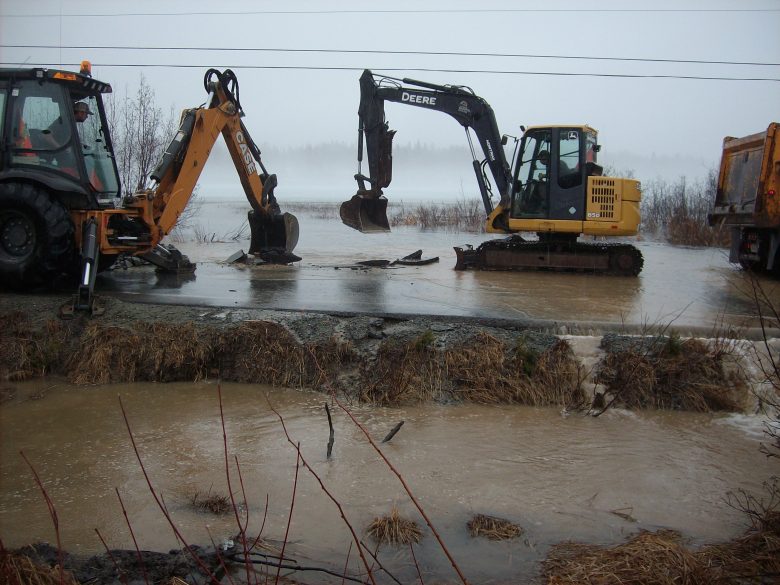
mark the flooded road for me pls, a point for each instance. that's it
(559, 477)
(692, 287)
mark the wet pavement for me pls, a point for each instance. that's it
(692, 288)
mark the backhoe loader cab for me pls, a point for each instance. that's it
(56, 156)
(55, 134)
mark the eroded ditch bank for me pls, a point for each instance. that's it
(398, 361)
(385, 361)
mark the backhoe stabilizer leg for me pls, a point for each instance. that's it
(85, 299)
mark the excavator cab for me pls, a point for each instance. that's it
(550, 176)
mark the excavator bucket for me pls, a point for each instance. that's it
(365, 214)
(275, 235)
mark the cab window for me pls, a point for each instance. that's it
(569, 174)
(531, 192)
(41, 126)
(98, 157)
(3, 99)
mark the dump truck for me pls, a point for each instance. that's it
(747, 201)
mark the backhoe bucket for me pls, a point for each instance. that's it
(278, 232)
(365, 214)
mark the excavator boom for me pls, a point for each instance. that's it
(366, 210)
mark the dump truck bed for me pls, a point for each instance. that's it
(748, 181)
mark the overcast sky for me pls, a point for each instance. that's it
(294, 98)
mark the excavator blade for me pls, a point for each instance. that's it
(276, 233)
(365, 214)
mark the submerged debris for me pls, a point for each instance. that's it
(493, 528)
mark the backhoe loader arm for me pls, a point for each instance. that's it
(185, 157)
(468, 109)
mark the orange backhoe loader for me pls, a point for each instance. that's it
(59, 182)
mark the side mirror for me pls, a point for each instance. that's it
(504, 140)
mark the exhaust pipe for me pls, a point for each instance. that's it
(365, 214)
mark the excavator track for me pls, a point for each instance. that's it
(516, 253)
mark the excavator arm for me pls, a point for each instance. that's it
(367, 210)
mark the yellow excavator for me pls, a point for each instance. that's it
(554, 187)
(59, 181)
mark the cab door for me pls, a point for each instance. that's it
(567, 181)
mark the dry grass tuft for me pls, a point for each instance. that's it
(261, 352)
(393, 529)
(671, 373)
(482, 369)
(527, 374)
(19, 569)
(493, 528)
(216, 504)
(27, 352)
(659, 558)
(156, 352)
(253, 351)
(402, 373)
(650, 558)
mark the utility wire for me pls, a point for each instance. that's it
(401, 11)
(387, 52)
(417, 69)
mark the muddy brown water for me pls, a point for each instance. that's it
(560, 476)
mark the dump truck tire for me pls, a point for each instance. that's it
(36, 236)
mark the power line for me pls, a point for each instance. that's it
(400, 11)
(390, 52)
(416, 69)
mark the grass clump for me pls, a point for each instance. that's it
(479, 368)
(650, 558)
(27, 351)
(661, 558)
(394, 529)
(669, 373)
(154, 352)
(19, 569)
(493, 528)
(217, 504)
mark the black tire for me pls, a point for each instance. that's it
(36, 236)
